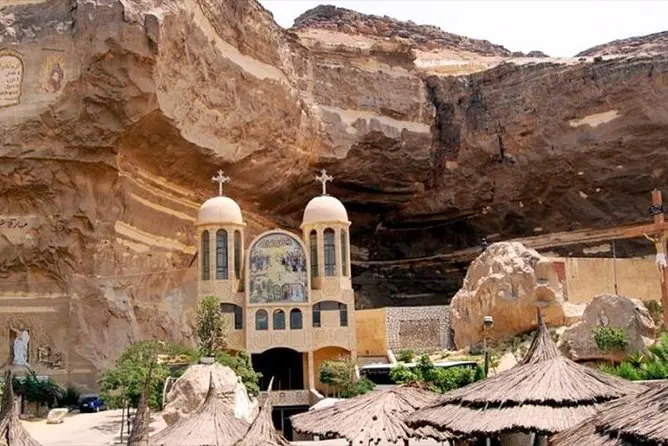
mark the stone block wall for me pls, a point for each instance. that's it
(418, 328)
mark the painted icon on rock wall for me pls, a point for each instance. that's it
(52, 76)
(277, 270)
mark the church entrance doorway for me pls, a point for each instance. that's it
(285, 365)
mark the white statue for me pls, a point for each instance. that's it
(21, 348)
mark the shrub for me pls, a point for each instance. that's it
(402, 375)
(340, 374)
(69, 398)
(35, 390)
(242, 366)
(655, 310)
(437, 379)
(406, 356)
(610, 339)
(627, 371)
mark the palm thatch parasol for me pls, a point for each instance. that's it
(12, 432)
(262, 431)
(633, 420)
(139, 434)
(212, 424)
(374, 418)
(544, 394)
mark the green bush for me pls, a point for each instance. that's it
(340, 375)
(211, 326)
(124, 383)
(242, 366)
(405, 356)
(627, 371)
(436, 378)
(40, 392)
(610, 339)
(643, 367)
(69, 398)
(655, 310)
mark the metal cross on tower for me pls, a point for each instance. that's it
(324, 178)
(221, 179)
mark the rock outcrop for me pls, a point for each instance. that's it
(656, 43)
(507, 282)
(189, 391)
(116, 113)
(630, 315)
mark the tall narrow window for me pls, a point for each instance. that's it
(221, 254)
(295, 319)
(343, 315)
(344, 253)
(205, 255)
(261, 320)
(330, 253)
(237, 313)
(316, 315)
(313, 240)
(279, 320)
(237, 254)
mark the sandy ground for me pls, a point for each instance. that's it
(103, 429)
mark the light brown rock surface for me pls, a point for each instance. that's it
(56, 416)
(507, 282)
(126, 108)
(189, 391)
(613, 311)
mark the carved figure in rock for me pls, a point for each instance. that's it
(43, 354)
(21, 348)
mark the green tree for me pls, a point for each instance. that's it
(38, 391)
(243, 367)
(340, 375)
(435, 378)
(211, 326)
(123, 383)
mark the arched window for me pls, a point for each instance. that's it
(343, 315)
(313, 240)
(279, 320)
(237, 254)
(205, 255)
(330, 253)
(316, 315)
(295, 319)
(221, 254)
(238, 314)
(344, 253)
(261, 320)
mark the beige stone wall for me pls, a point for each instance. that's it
(589, 277)
(371, 332)
(418, 328)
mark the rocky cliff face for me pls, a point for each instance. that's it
(125, 109)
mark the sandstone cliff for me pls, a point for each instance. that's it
(125, 108)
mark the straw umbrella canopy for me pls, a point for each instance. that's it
(12, 432)
(544, 394)
(633, 420)
(212, 424)
(374, 418)
(262, 431)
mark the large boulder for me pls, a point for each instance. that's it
(188, 392)
(56, 416)
(507, 281)
(612, 311)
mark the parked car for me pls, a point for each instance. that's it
(91, 404)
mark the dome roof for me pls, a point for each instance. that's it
(218, 211)
(325, 209)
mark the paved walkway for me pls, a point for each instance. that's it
(103, 429)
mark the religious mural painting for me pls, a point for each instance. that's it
(52, 74)
(11, 79)
(277, 270)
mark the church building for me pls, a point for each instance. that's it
(289, 298)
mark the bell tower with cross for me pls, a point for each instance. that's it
(220, 253)
(323, 178)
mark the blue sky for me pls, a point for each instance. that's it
(558, 28)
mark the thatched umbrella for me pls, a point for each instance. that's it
(633, 420)
(140, 425)
(377, 417)
(544, 394)
(212, 424)
(12, 432)
(262, 431)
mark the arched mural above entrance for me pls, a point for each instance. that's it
(277, 269)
